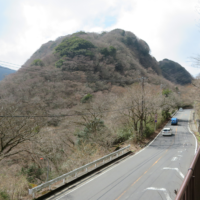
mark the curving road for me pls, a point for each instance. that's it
(153, 173)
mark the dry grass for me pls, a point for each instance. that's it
(15, 185)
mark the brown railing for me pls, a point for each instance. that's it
(190, 189)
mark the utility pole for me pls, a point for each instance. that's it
(142, 114)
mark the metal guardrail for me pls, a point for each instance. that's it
(190, 188)
(65, 178)
(174, 113)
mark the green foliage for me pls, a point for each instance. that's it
(32, 173)
(112, 51)
(90, 128)
(119, 67)
(80, 33)
(86, 98)
(90, 54)
(149, 130)
(74, 46)
(166, 92)
(104, 51)
(36, 129)
(37, 62)
(108, 52)
(165, 114)
(59, 63)
(103, 32)
(4, 195)
(124, 134)
(127, 40)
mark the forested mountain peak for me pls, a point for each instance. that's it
(174, 72)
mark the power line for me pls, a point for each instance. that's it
(9, 66)
(10, 63)
(70, 115)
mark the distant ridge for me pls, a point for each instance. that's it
(5, 71)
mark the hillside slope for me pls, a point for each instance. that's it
(5, 71)
(174, 72)
(62, 72)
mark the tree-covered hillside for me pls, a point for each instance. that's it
(115, 56)
(4, 72)
(174, 72)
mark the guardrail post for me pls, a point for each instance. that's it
(33, 195)
(63, 181)
(50, 187)
(110, 158)
(103, 161)
(86, 169)
(95, 165)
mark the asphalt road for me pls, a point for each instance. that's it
(154, 173)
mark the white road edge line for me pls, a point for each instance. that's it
(176, 169)
(193, 136)
(161, 189)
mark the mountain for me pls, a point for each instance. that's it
(61, 72)
(174, 72)
(115, 55)
(5, 71)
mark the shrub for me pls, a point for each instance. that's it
(32, 173)
(111, 52)
(4, 195)
(124, 134)
(59, 63)
(165, 114)
(166, 92)
(90, 54)
(37, 62)
(74, 46)
(148, 131)
(95, 132)
(119, 67)
(53, 122)
(86, 98)
(104, 51)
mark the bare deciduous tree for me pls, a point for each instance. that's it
(14, 129)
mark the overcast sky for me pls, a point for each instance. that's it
(170, 27)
